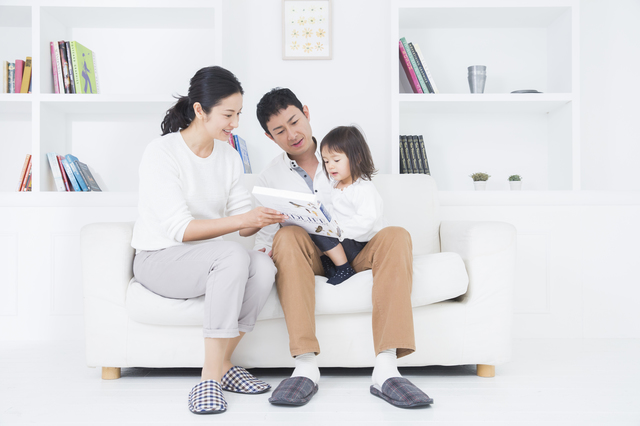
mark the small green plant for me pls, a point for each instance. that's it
(480, 177)
(515, 178)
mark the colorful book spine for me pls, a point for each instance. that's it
(88, 177)
(414, 64)
(408, 69)
(426, 69)
(5, 77)
(72, 80)
(65, 178)
(73, 163)
(18, 75)
(24, 173)
(11, 79)
(83, 68)
(95, 71)
(26, 76)
(421, 70)
(27, 186)
(65, 67)
(244, 153)
(54, 69)
(55, 170)
(70, 175)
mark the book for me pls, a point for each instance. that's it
(426, 69)
(411, 166)
(241, 146)
(303, 210)
(73, 163)
(232, 141)
(24, 173)
(413, 154)
(11, 78)
(88, 177)
(19, 69)
(5, 77)
(95, 71)
(65, 67)
(83, 68)
(70, 175)
(57, 68)
(65, 178)
(423, 151)
(26, 76)
(28, 183)
(72, 80)
(404, 168)
(423, 73)
(408, 69)
(414, 64)
(55, 170)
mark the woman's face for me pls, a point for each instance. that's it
(224, 117)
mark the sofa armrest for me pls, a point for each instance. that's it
(107, 260)
(488, 250)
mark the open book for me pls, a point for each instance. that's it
(303, 210)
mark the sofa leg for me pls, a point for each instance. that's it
(484, 370)
(110, 373)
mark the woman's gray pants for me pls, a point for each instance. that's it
(235, 282)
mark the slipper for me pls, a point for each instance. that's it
(294, 391)
(239, 380)
(207, 398)
(402, 393)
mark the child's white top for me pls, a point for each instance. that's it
(358, 208)
(177, 186)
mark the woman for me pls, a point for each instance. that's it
(190, 195)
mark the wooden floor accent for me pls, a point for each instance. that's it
(484, 370)
(110, 373)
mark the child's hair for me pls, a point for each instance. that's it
(273, 102)
(351, 142)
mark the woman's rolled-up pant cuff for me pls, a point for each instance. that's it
(221, 334)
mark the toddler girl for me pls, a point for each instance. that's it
(356, 204)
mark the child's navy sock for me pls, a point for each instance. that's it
(328, 266)
(342, 273)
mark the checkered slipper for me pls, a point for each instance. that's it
(207, 398)
(239, 380)
(402, 393)
(294, 391)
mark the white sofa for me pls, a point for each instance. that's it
(462, 298)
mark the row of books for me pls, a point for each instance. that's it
(16, 76)
(74, 68)
(69, 174)
(413, 155)
(415, 68)
(24, 183)
(241, 146)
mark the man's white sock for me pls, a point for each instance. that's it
(386, 367)
(307, 366)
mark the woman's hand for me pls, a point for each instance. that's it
(262, 216)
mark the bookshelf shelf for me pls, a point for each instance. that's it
(525, 45)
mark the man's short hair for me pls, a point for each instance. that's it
(273, 102)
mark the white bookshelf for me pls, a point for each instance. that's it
(525, 45)
(146, 51)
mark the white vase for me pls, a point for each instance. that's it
(516, 185)
(480, 185)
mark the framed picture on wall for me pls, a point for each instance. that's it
(306, 29)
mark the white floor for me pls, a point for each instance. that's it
(561, 382)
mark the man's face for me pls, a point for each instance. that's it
(291, 130)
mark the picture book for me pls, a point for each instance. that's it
(73, 163)
(56, 66)
(11, 78)
(88, 177)
(72, 177)
(26, 76)
(65, 66)
(301, 209)
(83, 68)
(72, 84)
(241, 146)
(19, 69)
(24, 173)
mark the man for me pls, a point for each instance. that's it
(287, 122)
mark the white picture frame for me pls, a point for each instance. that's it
(306, 29)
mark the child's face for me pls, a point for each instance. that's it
(337, 164)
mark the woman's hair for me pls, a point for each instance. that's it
(209, 86)
(273, 102)
(351, 142)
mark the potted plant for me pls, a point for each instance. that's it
(480, 181)
(515, 182)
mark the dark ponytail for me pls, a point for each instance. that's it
(209, 86)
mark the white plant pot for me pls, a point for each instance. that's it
(480, 185)
(516, 185)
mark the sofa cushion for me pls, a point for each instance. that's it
(436, 277)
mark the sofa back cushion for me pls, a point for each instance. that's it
(410, 201)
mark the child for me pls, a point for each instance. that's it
(356, 204)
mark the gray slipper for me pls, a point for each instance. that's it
(402, 393)
(294, 391)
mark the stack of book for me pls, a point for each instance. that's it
(16, 76)
(413, 155)
(69, 174)
(241, 146)
(24, 184)
(74, 68)
(415, 68)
